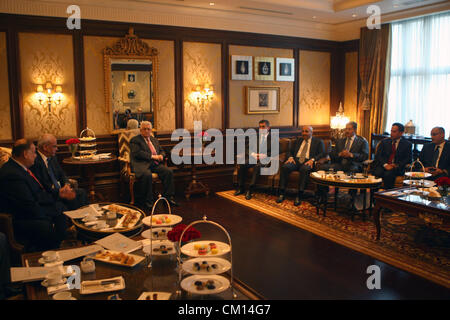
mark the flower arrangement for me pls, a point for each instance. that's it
(190, 234)
(203, 135)
(443, 183)
(73, 145)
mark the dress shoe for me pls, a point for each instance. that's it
(173, 202)
(297, 201)
(248, 195)
(238, 192)
(280, 198)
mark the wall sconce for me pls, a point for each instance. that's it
(338, 123)
(203, 94)
(50, 95)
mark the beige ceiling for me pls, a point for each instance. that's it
(323, 11)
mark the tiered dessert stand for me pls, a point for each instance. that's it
(88, 144)
(174, 219)
(194, 265)
(417, 178)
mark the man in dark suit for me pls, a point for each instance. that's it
(303, 154)
(350, 152)
(48, 171)
(435, 156)
(37, 218)
(257, 153)
(392, 155)
(146, 157)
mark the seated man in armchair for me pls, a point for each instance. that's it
(350, 152)
(146, 157)
(48, 171)
(37, 217)
(392, 155)
(435, 156)
(303, 154)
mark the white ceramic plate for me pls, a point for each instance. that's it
(158, 244)
(160, 295)
(220, 283)
(174, 219)
(137, 259)
(222, 266)
(147, 233)
(189, 248)
(418, 174)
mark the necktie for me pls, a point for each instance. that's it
(435, 156)
(347, 144)
(152, 148)
(392, 156)
(303, 153)
(52, 175)
(31, 174)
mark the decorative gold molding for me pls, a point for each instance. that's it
(130, 47)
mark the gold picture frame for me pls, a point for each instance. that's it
(264, 68)
(262, 99)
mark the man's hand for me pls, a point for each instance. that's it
(309, 163)
(389, 167)
(290, 160)
(345, 154)
(437, 171)
(157, 157)
(67, 193)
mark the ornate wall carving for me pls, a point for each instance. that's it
(47, 57)
(5, 110)
(314, 87)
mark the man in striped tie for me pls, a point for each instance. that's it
(37, 217)
(147, 157)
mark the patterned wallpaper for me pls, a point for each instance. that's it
(5, 119)
(238, 117)
(202, 65)
(351, 85)
(97, 117)
(314, 88)
(47, 57)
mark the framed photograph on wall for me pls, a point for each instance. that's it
(264, 68)
(241, 68)
(130, 77)
(285, 69)
(261, 100)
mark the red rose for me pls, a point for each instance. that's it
(443, 181)
(175, 234)
(202, 134)
(72, 141)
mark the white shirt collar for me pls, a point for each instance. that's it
(44, 158)
(24, 168)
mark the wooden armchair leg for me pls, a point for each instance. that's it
(132, 191)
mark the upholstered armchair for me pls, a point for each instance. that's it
(127, 176)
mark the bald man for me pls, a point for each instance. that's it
(301, 157)
(47, 169)
(435, 156)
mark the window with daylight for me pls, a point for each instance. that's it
(419, 88)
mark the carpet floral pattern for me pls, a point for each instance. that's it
(406, 241)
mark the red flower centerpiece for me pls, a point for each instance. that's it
(190, 234)
(73, 145)
(443, 183)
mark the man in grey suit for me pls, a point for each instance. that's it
(301, 157)
(147, 157)
(350, 152)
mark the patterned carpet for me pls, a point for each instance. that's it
(406, 241)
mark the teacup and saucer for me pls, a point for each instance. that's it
(53, 279)
(49, 257)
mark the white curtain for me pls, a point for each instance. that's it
(419, 88)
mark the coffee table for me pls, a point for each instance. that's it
(162, 277)
(406, 200)
(332, 180)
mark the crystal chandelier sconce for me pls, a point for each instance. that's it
(51, 94)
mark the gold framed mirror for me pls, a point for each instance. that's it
(131, 86)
